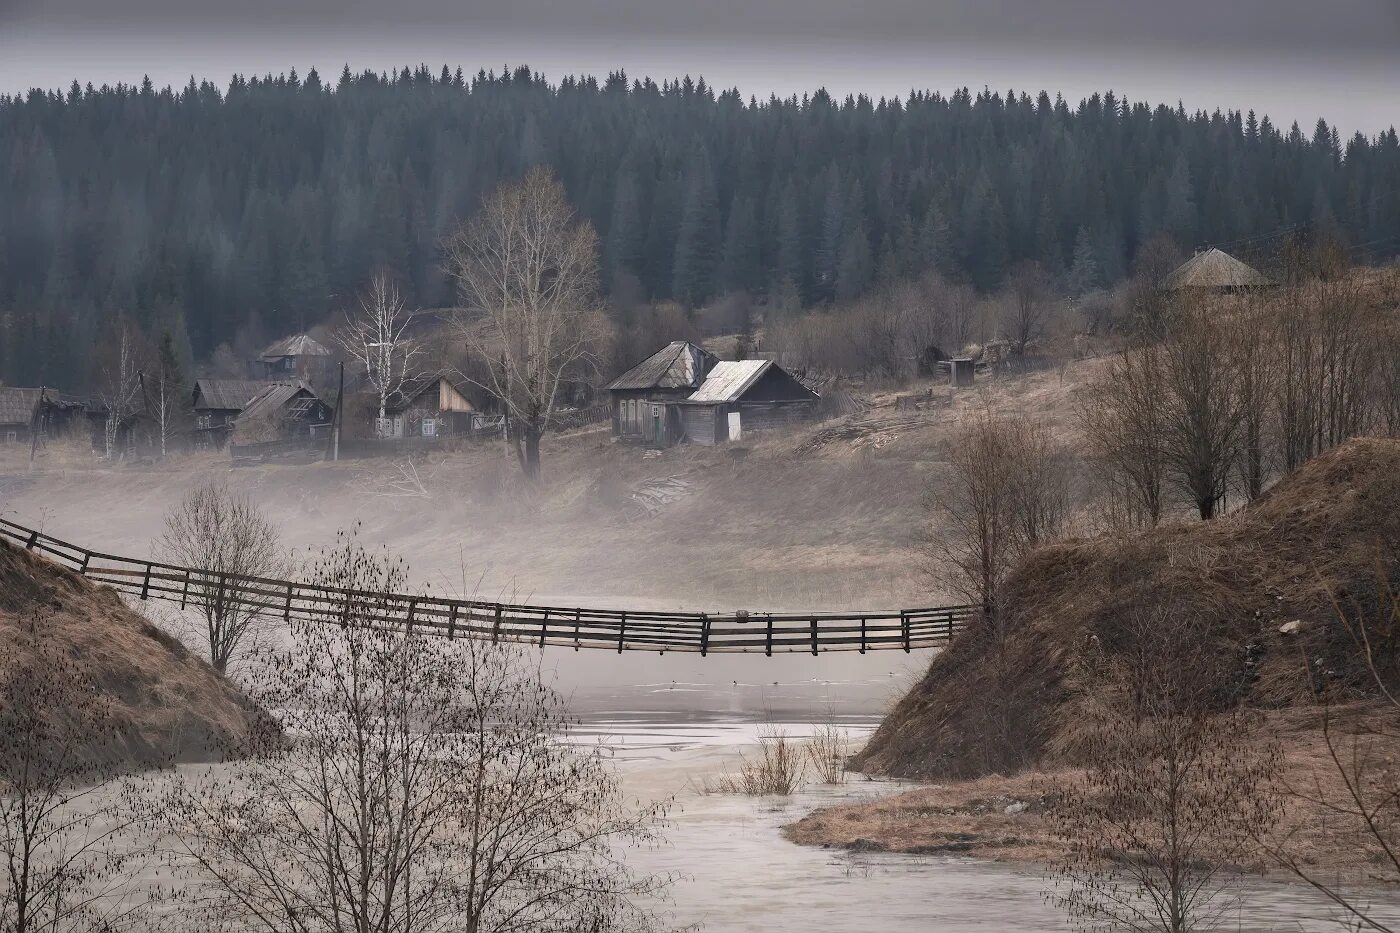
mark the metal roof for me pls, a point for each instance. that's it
(728, 381)
(274, 397)
(678, 365)
(298, 345)
(226, 394)
(1214, 269)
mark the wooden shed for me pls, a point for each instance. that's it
(742, 396)
(433, 406)
(217, 403)
(643, 397)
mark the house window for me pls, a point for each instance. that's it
(429, 427)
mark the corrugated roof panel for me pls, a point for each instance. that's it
(730, 380)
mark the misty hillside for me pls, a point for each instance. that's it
(234, 215)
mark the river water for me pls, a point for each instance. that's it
(740, 874)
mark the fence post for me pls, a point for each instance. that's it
(704, 634)
(768, 643)
(862, 634)
(287, 609)
(578, 617)
(452, 622)
(345, 612)
(146, 582)
(904, 628)
(185, 589)
(814, 638)
(496, 626)
(621, 632)
(408, 623)
(33, 540)
(82, 570)
(544, 627)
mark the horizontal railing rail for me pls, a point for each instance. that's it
(576, 627)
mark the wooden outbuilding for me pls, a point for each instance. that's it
(743, 396)
(296, 357)
(282, 411)
(1214, 271)
(643, 398)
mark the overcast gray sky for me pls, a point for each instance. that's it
(1293, 59)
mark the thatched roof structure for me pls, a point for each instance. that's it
(1214, 270)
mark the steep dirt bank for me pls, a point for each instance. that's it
(1262, 580)
(169, 705)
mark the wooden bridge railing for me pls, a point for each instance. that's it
(614, 629)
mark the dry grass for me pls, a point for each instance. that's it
(971, 817)
(827, 751)
(167, 703)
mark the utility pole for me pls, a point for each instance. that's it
(338, 417)
(35, 424)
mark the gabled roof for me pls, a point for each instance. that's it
(678, 365)
(409, 392)
(298, 345)
(274, 397)
(1216, 270)
(226, 394)
(17, 405)
(729, 380)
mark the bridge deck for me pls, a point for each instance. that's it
(612, 629)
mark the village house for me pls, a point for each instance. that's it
(744, 395)
(296, 357)
(432, 406)
(640, 413)
(216, 404)
(282, 411)
(1214, 271)
(52, 413)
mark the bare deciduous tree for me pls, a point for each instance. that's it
(1175, 790)
(1008, 493)
(430, 786)
(1028, 288)
(378, 337)
(119, 384)
(527, 269)
(1122, 413)
(63, 850)
(222, 534)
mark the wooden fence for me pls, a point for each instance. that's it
(613, 629)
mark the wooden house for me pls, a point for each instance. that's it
(282, 411)
(51, 413)
(742, 396)
(643, 397)
(291, 358)
(217, 403)
(1214, 271)
(433, 406)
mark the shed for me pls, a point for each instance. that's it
(431, 406)
(1214, 270)
(217, 403)
(22, 410)
(17, 413)
(641, 397)
(742, 396)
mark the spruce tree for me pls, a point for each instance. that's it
(698, 239)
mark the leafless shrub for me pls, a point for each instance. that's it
(398, 480)
(65, 843)
(827, 750)
(1174, 792)
(775, 770)
(424, 784)
(221, 534)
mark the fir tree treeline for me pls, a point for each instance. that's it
(220, 216)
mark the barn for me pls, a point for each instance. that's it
(282, 411)
(741, 396)
(643, 397)
(217, 403)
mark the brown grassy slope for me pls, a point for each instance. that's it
(1326, 528)
(169, 704)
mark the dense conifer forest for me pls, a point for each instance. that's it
(229, 216)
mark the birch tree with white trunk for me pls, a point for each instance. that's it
(378, 337)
